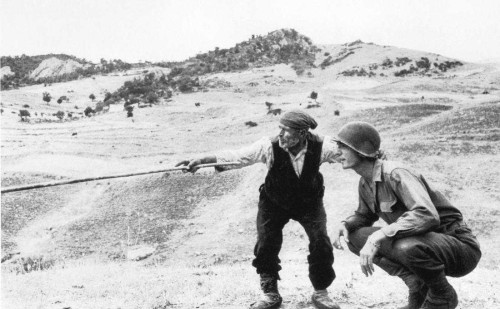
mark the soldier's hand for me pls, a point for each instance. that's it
(366, 256)
(369, 250)
(342, 231)
(191, 165)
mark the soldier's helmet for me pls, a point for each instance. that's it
(361, 137)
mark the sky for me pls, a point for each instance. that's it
(174, 30)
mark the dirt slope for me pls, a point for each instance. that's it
(201, 227)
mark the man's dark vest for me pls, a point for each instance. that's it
(285, 188)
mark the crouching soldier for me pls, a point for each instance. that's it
(425, 238)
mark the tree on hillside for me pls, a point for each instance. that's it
(130, 111)
(314, 95)
(92, 97)
(46, 97)
(60, 115)
(88, 111)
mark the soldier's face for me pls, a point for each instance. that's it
(348, 157)
(288, 137)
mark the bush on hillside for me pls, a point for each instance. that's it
(387, 63)
(89, 111)
(444, 66)
(60, 115)
(46, 97)
(423, 63)
(401, 61)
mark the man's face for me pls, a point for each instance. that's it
(348, 157)
(288, 137)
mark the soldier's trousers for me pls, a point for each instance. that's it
(456, 253)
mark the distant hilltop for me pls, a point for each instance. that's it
(26, 70)
(284, 46)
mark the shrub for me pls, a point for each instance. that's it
(424, 63)
(356, 72)
(251, 124)
(92, 97)
(328, 61)
(89, 111)
(46, 97)
(107, 96)
(60, 115)
(152, 97)
(402, 61)
(26, 106)
(387, 63)
(130, 111)
(313, 95)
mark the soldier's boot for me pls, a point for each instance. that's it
(321, 300)
(270, 298)
(417, 290)
(441, 294)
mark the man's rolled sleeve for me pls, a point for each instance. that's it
(330, 152)
(422, 215)
(258, 152)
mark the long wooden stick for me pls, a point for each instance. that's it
(71, 181)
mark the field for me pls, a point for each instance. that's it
(69, 245)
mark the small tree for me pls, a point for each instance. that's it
(92, 97)
(24, 114)
(59, 101)
(130, 111)
(46, 97)
(60, 115)
(88, 111)
(314, 95)
(107, 96)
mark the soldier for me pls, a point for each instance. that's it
(293, 189)
(425, 238)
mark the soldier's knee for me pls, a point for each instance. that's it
(407, 249)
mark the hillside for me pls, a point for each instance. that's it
(52, 68)
(71, 245)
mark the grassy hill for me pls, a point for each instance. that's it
(70, 245)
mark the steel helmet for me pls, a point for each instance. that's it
(360, 136)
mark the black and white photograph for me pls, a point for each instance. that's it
(233, 154)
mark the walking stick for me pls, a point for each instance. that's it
(71, 181)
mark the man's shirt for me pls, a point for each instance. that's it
(262, 152)
(404, 200)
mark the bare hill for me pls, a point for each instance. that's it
(54, 67)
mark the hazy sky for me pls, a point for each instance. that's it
(157, 30)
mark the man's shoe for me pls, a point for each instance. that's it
(271, 297)
(447, 300)
(268, 301)
(321, 300)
